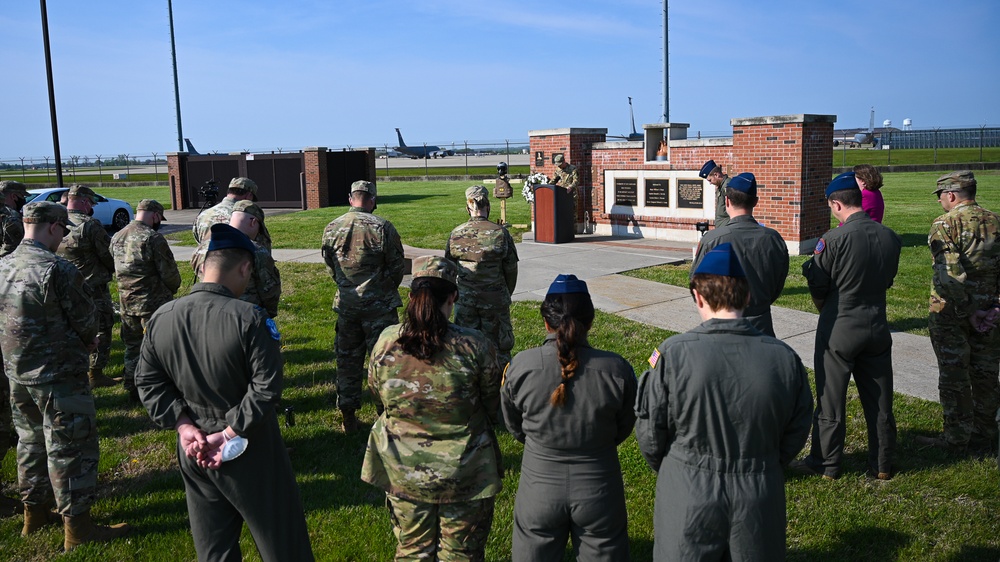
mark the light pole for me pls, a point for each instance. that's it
(52, 92)
(177, 91)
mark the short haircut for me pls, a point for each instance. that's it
(238, 191)
(721, 292)
(741, 200)
(227, 259)
(716, 170)
(362, 196)
(966, 193)
(847, 197)
(870, 175)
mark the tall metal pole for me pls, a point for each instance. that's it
(177, 90)
(666, 68)
(52, 93)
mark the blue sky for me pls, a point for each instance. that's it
(263, 75)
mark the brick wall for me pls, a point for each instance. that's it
(789, 155)
(177, 181)
(316, 176)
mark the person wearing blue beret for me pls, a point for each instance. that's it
(761, 250)
(720, 412)
(849, 273)
(571, 406)
(713, 173)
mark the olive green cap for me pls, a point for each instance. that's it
(435, 266)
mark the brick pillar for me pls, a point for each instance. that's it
(790, 155)
(317, 188)
(177, 174)
(575, 145)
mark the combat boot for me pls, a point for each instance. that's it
(80, 529)
(99, 379)
(38, 516)
(350, 424)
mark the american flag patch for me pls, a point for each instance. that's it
(654, 358)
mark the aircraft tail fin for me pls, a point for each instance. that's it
(400, 136)
(190, 147)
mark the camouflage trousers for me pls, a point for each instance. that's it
(57, 451)
(968, 380)
(356, 336)
(106, 317)
(133, 328)
(494, 323)
(440, 531)
(6, 429)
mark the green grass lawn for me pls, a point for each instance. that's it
(936, 508)
(910, 208)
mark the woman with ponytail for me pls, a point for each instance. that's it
(571, 406)
(433, 450)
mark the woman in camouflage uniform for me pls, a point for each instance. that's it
(571, 405)
(433, 450)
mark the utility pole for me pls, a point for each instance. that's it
(177, 91)
(52, 93)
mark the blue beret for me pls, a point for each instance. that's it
(565, 284)
(841, 182)
(721, 260)
(225, 236)
(745, 183)
(707, 169)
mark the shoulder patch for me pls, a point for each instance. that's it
(654, 358)
(272, 329)
(820, 246)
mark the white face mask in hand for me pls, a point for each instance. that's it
(233, 448)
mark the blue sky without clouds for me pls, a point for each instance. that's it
(263, 75)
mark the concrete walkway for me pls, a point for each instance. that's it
(600, 260)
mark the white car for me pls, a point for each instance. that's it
(114, 214)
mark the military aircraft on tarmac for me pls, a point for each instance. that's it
(424, 151)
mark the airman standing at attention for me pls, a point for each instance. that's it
(88, 247)
(48, 328)
(567, 178)
(715, 176)
(487, 273)
(761, 250)
(240, 189)
(364, 255)
(147, 278)
(849, 273)
(963, 317)
(12, 196)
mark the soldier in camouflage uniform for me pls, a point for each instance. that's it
(147, 278)
(567, 177)
(240, 189)
(715, 176)
(433, 450)
(963, 310)
(12, 195)
(48, 327)
(364, 255)
(264, 288)
(487, 273)
(761, 250)
(88, 247)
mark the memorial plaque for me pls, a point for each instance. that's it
(626, 191)
(658, 193)
(690, 194)
(539, 158)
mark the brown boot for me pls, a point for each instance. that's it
(99, 379)
(80, 529)
(350, 424)
(38, 516)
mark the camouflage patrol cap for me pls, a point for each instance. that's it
(365, 186)
(252, 208)
(151, 205)
(41, 212)
(243, 183)
(955, 181)
(11, 186)
(82, 191)
(558, 159)
(435, 266)
(477, 193)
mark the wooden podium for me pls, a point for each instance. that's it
(554, 220)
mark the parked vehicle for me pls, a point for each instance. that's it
(114, 214)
